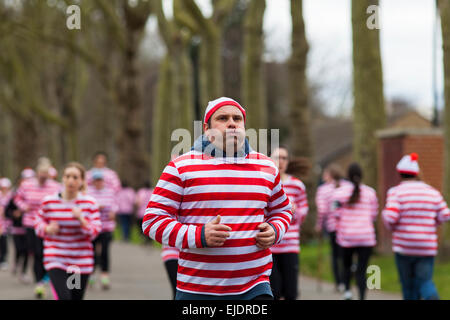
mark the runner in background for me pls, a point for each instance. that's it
(356, 211)
(106, 201)
(413, 212)
(333, 179)
(110, 177)
(29, 198)
(125, 198)
(169, 256)
(142, 198)
(53, 173)
(285, 269)
(68, 221)
(5, 222)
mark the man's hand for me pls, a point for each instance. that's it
(266, 236)
(216, 233)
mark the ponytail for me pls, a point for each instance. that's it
(355, 177)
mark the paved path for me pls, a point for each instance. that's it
(138, 274)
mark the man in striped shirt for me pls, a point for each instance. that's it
(413, 212)
(223, 211)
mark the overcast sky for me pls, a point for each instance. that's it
(407, 28)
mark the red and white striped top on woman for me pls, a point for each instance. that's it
(355, 222)
(296, 192)
(5, 223)
(106, 201)
(413, 211)
(72, 245)
(110, 177)
(169, 253)
(142, 199)
(245, 191)
(29, 197)
(323, 202)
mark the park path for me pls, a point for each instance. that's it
(138, 274)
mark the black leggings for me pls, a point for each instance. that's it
(67, 290)
(363, 254)
(35, 246)
(337, 264)
(3, 248)
(172, 269)
(284, 276)
(104, 240)
(20, 245)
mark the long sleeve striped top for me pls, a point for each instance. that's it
(5, 223)
(413, 211)
(71, 246)
(110, 177)
(29, 197)
(245, 191)
(324, 194)
(169, 253)
(296, 192)
(355, 222)
(142, 198)
(107, 204)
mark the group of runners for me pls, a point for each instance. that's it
(228, 219)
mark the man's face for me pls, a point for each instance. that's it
(227, 130)
(98, 183)
(100, 161)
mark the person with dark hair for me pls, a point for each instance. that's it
(332, 178)
(125, 198)
(142, 197)
(111, 178)
(285, 269)
(356, 211)
(413, 212)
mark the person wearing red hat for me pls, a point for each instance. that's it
(222, 204)
(413, 212)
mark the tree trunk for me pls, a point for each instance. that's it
(253, 73)
(368, 110)
(300, 138)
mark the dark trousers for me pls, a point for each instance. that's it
(3, 248)
(284, 276)
(35, 246)
(363, 255)
(337, 264)
(20, 245)
(103, 240)
(416, 275)
(172, 269)
(125, 225)
(67, 290)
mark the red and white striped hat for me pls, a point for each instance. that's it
(408, 164)
(214, 105)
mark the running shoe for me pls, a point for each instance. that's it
(348, 295)
(106, 285)
(39, 291)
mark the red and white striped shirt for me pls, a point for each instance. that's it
(245, 191)
(5, 223)
(169, 253)
(29, 197)
(71, 246)
(296, 192)
(107, 204)
(125, 199)
(142, 198)
(110, 177)
(355, 222)
(323, 202)
(413, 211)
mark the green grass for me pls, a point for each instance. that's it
(309, 265)
(136, 236)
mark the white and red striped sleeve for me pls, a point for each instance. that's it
(41, 222)
(322, 204)
(391, 211)
(443, 212)
(20, 199)
(301, 202)
(160, 221)
(279, 208)
(94, 223)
